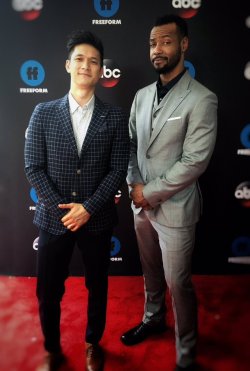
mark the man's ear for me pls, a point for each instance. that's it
(67, 65)
(184, 44)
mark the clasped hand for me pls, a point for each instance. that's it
(76, 217)
(137, 196)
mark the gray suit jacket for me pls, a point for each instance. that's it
(170, 158)
(59, 175)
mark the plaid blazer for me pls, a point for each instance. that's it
(59, 175)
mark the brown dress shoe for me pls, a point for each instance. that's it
(94, 357)
(52, 362)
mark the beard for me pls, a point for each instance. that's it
(169, 65)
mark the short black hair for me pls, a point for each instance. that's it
(84, 37)
(173, 18)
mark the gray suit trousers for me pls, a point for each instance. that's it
(165, 254)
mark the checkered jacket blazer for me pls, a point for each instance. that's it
(58, 175)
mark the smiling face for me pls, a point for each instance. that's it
(167, 49)
(84, 66)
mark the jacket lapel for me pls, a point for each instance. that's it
(65, 119)
(98, 119)
(169, 104)
(147, 112)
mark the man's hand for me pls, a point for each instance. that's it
(137, 196)
(76, 217)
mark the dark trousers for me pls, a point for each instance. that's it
(54, 255)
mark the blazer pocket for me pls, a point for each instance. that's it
(174, 120)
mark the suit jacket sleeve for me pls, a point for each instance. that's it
(35, 164)
(134, 175)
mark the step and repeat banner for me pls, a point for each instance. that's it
(33, 36)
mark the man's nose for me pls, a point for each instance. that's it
(85, 65)
(158, 48)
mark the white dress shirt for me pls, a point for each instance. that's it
(80, 117)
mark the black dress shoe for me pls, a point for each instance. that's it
(94, 357)
(192, 367)
(141, 332)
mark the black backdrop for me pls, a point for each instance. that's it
(33, 35)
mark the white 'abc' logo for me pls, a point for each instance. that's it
(108, 73)
(195, 4)
(111, 74)
(35, 244)
(243, 193)
(27, 5)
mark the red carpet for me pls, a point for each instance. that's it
(224, 322)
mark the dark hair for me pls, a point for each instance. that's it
(173, 18)
(84, 37)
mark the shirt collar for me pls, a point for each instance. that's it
(165, 88)
(73, 105)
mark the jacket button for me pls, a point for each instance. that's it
(74, 193)
(78, 171)
(147, 156)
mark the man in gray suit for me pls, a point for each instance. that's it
(173, 132)
(76, 158)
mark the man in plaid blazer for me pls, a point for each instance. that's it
(76, 157)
